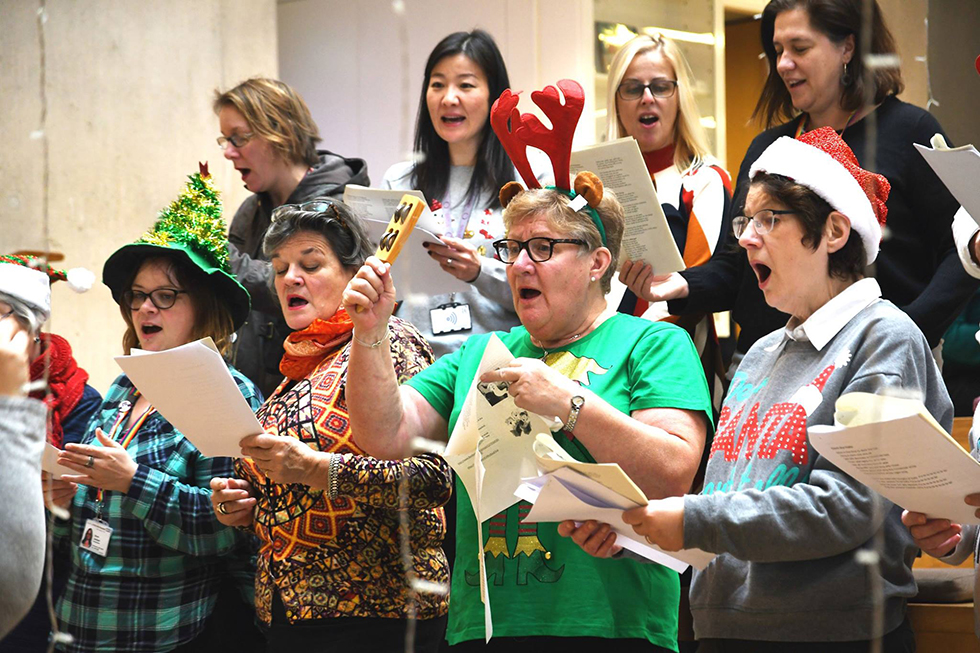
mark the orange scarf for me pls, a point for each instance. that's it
(305, 349)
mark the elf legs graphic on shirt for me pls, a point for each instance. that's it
(781, 428)
(532, 558)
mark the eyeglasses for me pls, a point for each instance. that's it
(238, 140)
(313, 206)
(162, 298)
(539, 249)
(659, 88)
(763, 221)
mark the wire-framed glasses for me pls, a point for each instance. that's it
(238, 140)
(632, 89)
(539, 249)
(763, 221)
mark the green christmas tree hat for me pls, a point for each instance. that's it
(190, 228)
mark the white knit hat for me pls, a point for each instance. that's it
(822, 161)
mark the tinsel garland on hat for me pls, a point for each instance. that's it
(194, 219)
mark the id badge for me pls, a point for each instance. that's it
(450, 318)
(95, 537)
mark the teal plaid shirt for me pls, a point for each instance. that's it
(159, 581)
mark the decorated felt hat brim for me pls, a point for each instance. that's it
(28, 285)
(123, 263)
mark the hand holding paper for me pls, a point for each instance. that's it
(192, 388)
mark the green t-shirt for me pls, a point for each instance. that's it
(542, 584)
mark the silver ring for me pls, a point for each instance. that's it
(221, 508)
(449, 262)
(649, 540)
(90, 463)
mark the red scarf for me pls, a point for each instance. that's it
(659, 159)
(307, 347)
(66, 381)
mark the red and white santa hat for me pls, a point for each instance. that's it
(822, 161)
(28, 279)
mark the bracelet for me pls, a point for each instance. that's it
(332, 470)
(371, 345)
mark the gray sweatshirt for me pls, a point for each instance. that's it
(22, 423)
(785, 521)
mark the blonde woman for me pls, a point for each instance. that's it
(651, 98)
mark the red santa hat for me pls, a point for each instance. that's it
(822, 161)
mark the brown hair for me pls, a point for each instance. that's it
(835, 19)
(554, 205)
(212, 316)
(278, 114)
(847, 263)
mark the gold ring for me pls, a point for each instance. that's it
(649, 540)
(90, 463)
(221, 508)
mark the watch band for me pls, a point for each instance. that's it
(577, 402)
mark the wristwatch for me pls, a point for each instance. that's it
(577, 402)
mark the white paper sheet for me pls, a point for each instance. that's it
(959, 169)
(504, 434)
(49, 462)
(415, 271)
(191, 387)
(619, 165)
(567, 494)
(898, 450)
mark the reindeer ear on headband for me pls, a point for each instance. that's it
(588, 186)
(509, 191)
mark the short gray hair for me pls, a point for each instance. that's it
(29, 317)
(334, 220)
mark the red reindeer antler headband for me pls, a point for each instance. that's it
(517, 131)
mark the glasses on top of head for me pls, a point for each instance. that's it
(162, 298)
(763, 221)
(540, 249)
(238, 140)
(633, 89)
(313, 206)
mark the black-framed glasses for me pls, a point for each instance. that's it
(633, 89)
(763, 221)
(539, 249)
(162, 298)
(238, 140)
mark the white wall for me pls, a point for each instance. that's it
(129, 88)
(359, 64)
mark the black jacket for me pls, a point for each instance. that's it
(259, 345)
(917, 267)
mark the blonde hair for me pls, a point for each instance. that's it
(690, 140)
(554, 206)
(278, 114)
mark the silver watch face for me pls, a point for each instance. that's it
(578, 402)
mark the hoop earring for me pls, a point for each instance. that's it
(845, 78)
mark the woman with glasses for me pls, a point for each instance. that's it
(651, 98)
(269, 135)
(148, 559)
(627, 390)
(818, 78)
(460, 167)
(787, 525)
(343, 537)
